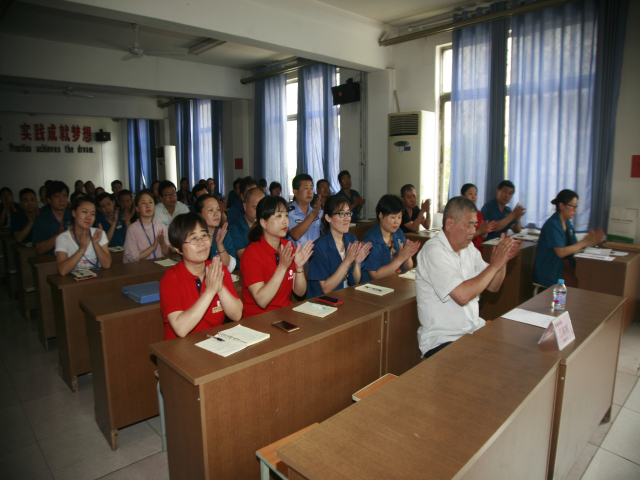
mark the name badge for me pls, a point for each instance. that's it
(217, 308)
(118, 226)
(298, 221)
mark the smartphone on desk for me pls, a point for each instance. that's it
(286, 326)
(330, 300)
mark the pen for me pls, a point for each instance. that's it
(373, 288)
(217, 338)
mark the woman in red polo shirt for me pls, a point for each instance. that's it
(268, 273)
(195, 294)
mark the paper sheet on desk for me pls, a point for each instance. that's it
(530, 318)
(619, 254)
(411, 275)
(594, 257)
(167, 262)
(375, 289)
(493, 241)
(315, 309)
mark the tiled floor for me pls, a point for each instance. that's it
(51, 433)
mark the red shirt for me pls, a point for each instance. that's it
(478, 240)
(178, 292)
(258, 264)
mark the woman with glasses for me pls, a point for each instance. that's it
(337, 254)
(390, 251)
(271, 267)
(197, 293)
(146, 239)
(558, 243)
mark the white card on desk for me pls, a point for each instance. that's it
(411, 275)
(530, 318)
(315, 309)
(374, 289)
(563, 329)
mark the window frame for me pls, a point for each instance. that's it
(443, 98)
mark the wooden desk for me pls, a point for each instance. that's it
(517, 286)
(401, 351)
(219, 411)
(478, 409)
(618, 277)
(27, 299)
(422, 236)
(119, 332)
(10, 264)
(66, 294)
(360, 228)
(587, 366)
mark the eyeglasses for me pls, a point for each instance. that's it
(575, 207)
(172, 194)
(196, 240)
(343, 214)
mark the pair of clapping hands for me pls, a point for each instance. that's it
(505, 251)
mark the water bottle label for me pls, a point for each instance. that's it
(559, 299)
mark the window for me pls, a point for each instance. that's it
(446, 63)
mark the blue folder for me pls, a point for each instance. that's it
(143, 292)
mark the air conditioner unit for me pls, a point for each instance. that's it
(412, 154)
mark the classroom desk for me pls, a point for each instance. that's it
(219, 411)
(587, 370)
(401, 351)
(517, 286)
(73, 357)
(478, 409)
(42, 266)
(422, 236)
(119, 331)
(10, 264)
(27, 299)
(618, 277)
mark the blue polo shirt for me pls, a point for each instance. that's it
(119, 234)
(19, 220)
(233, 198)
(46, 226)
(235, 212)
(491, 211)
(354, 194)
(547, 269)
(325, 261)
(239, 232)
(227, 243)
(379, 256)
(296, 217)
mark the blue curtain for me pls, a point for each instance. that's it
(183, 131)
(270, 120)
(470, 88)
(318, 135)
(201, 160)
(141, 142)
(551, 108)
(612, 24)
(217, 147)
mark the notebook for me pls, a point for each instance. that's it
(83, 275)
(315, 309)
(143, 292)
(375, 289)
(232, 340)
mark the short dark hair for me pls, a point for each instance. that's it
(56, 186)
(198, 187)
(89, 181)
(115, 182)
(104, 195)
(298, 179)
(267, 207)
(406, 188)
(202, 180)
(184, 179)
(125, 192)
(45, 190)
(342, 174)
(164, 185)
(465, 188)
(456, 208)
(388, 205)
(245, 182)
(76, 184)
(47, 182)
(211, 179)
(237, 181)
(75, 195)
(182, 225)
(80, 200)
(506, 183)
(145, 191)
(100, 188)
(564, 197)
(274, 185)
(25, 191)
(154, 182)
(262, 183)
(320, 181)
(5, 189)
(330, 207)
(199, 205)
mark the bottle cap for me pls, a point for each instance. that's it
(561, 281)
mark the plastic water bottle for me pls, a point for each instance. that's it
(559, 296)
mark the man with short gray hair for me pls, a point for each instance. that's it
(450, 277)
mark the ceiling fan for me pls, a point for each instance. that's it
(70, 92)
(136, 51)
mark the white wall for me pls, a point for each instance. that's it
(22, 169)
(625, 190)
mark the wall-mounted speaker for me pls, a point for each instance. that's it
(103, 136)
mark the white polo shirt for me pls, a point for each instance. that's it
(161, 215)
(439, 271)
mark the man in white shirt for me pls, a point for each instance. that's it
(170, 207)
(451, 275)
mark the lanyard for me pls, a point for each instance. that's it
(154, 235)
(94, 265)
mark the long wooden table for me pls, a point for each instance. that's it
(478, 409)
(618, 277)
(26, 289)
(517, 286)
(66, 293)
(219, 411)
(584, 392)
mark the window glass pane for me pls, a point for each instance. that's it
(446, 153)
(292, 142)
(447, 63)
(292, 98)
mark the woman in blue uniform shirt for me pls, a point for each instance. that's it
(390, 250)
(337, 254)
(558, 243)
